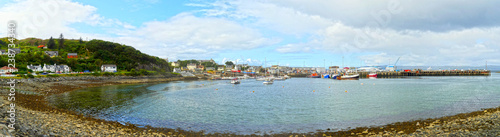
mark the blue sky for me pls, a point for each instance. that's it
(294, 33)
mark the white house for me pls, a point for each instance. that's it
(177, 70)
(35, 68)
(175, 64)
(56, 68)
(191, 66)
(7, 69)
(108, 68)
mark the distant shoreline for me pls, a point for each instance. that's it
(37, 105)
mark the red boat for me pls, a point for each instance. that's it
(372, 75)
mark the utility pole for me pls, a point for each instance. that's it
(486, 65)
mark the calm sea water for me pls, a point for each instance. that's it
(295, 105)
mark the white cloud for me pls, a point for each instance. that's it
(188, 36)
(50, 18)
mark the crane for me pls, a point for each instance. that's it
(397, 61)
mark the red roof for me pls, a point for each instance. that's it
(6, 67)
(41, 46)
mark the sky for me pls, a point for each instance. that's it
(311, 33)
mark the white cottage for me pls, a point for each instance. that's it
(56, 68)
(108, 68)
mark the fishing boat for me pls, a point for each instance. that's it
(349, 77)
(235, 81)
(287, 77)
(314, 75)
(326, 76)
(372, 75)
(334, 76)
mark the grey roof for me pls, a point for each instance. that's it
(16, 50)
(72, 54)
(52, 53)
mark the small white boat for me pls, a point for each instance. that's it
(235, 81)
(260, 78)
(350, 77)
(268, 81)
(279, 78)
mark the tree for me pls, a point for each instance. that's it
(51, 44)
(80, 41)
(61, 41)
(229, 63)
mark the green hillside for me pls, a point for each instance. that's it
(91, 55)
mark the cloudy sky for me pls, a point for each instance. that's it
(284, 32)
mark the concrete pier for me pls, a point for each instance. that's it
(429, 73)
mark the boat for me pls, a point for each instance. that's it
(326, 76)
(279, 78)
(260, 78)
(349, 77)
(235, 81)
(287, 77)
(334, 76)
(314, 75)
(372, 75)
(268, 81)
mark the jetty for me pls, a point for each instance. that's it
(428, 73)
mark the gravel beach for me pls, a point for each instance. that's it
(36, 118)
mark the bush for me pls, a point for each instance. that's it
(132, 73)
(30, 76)
(52, 75)
(143, 72)
(108, 74)
(96, 74)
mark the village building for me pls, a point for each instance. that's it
(14, 50)
(72, 55)
(56, 68)
(175, 64)
(35, 68)
(209, 68)
(220, 67)
(52, 53)
(191, 66)
(109, 68)
(7, 70)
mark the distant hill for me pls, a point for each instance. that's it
(91, 55)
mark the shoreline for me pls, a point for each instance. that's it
(33, 108)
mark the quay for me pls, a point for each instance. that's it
(393, 74)
(429, 73)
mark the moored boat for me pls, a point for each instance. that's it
(314, 75)
(372, 75)
(268, 81)
(235, 81)
(350, 77)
